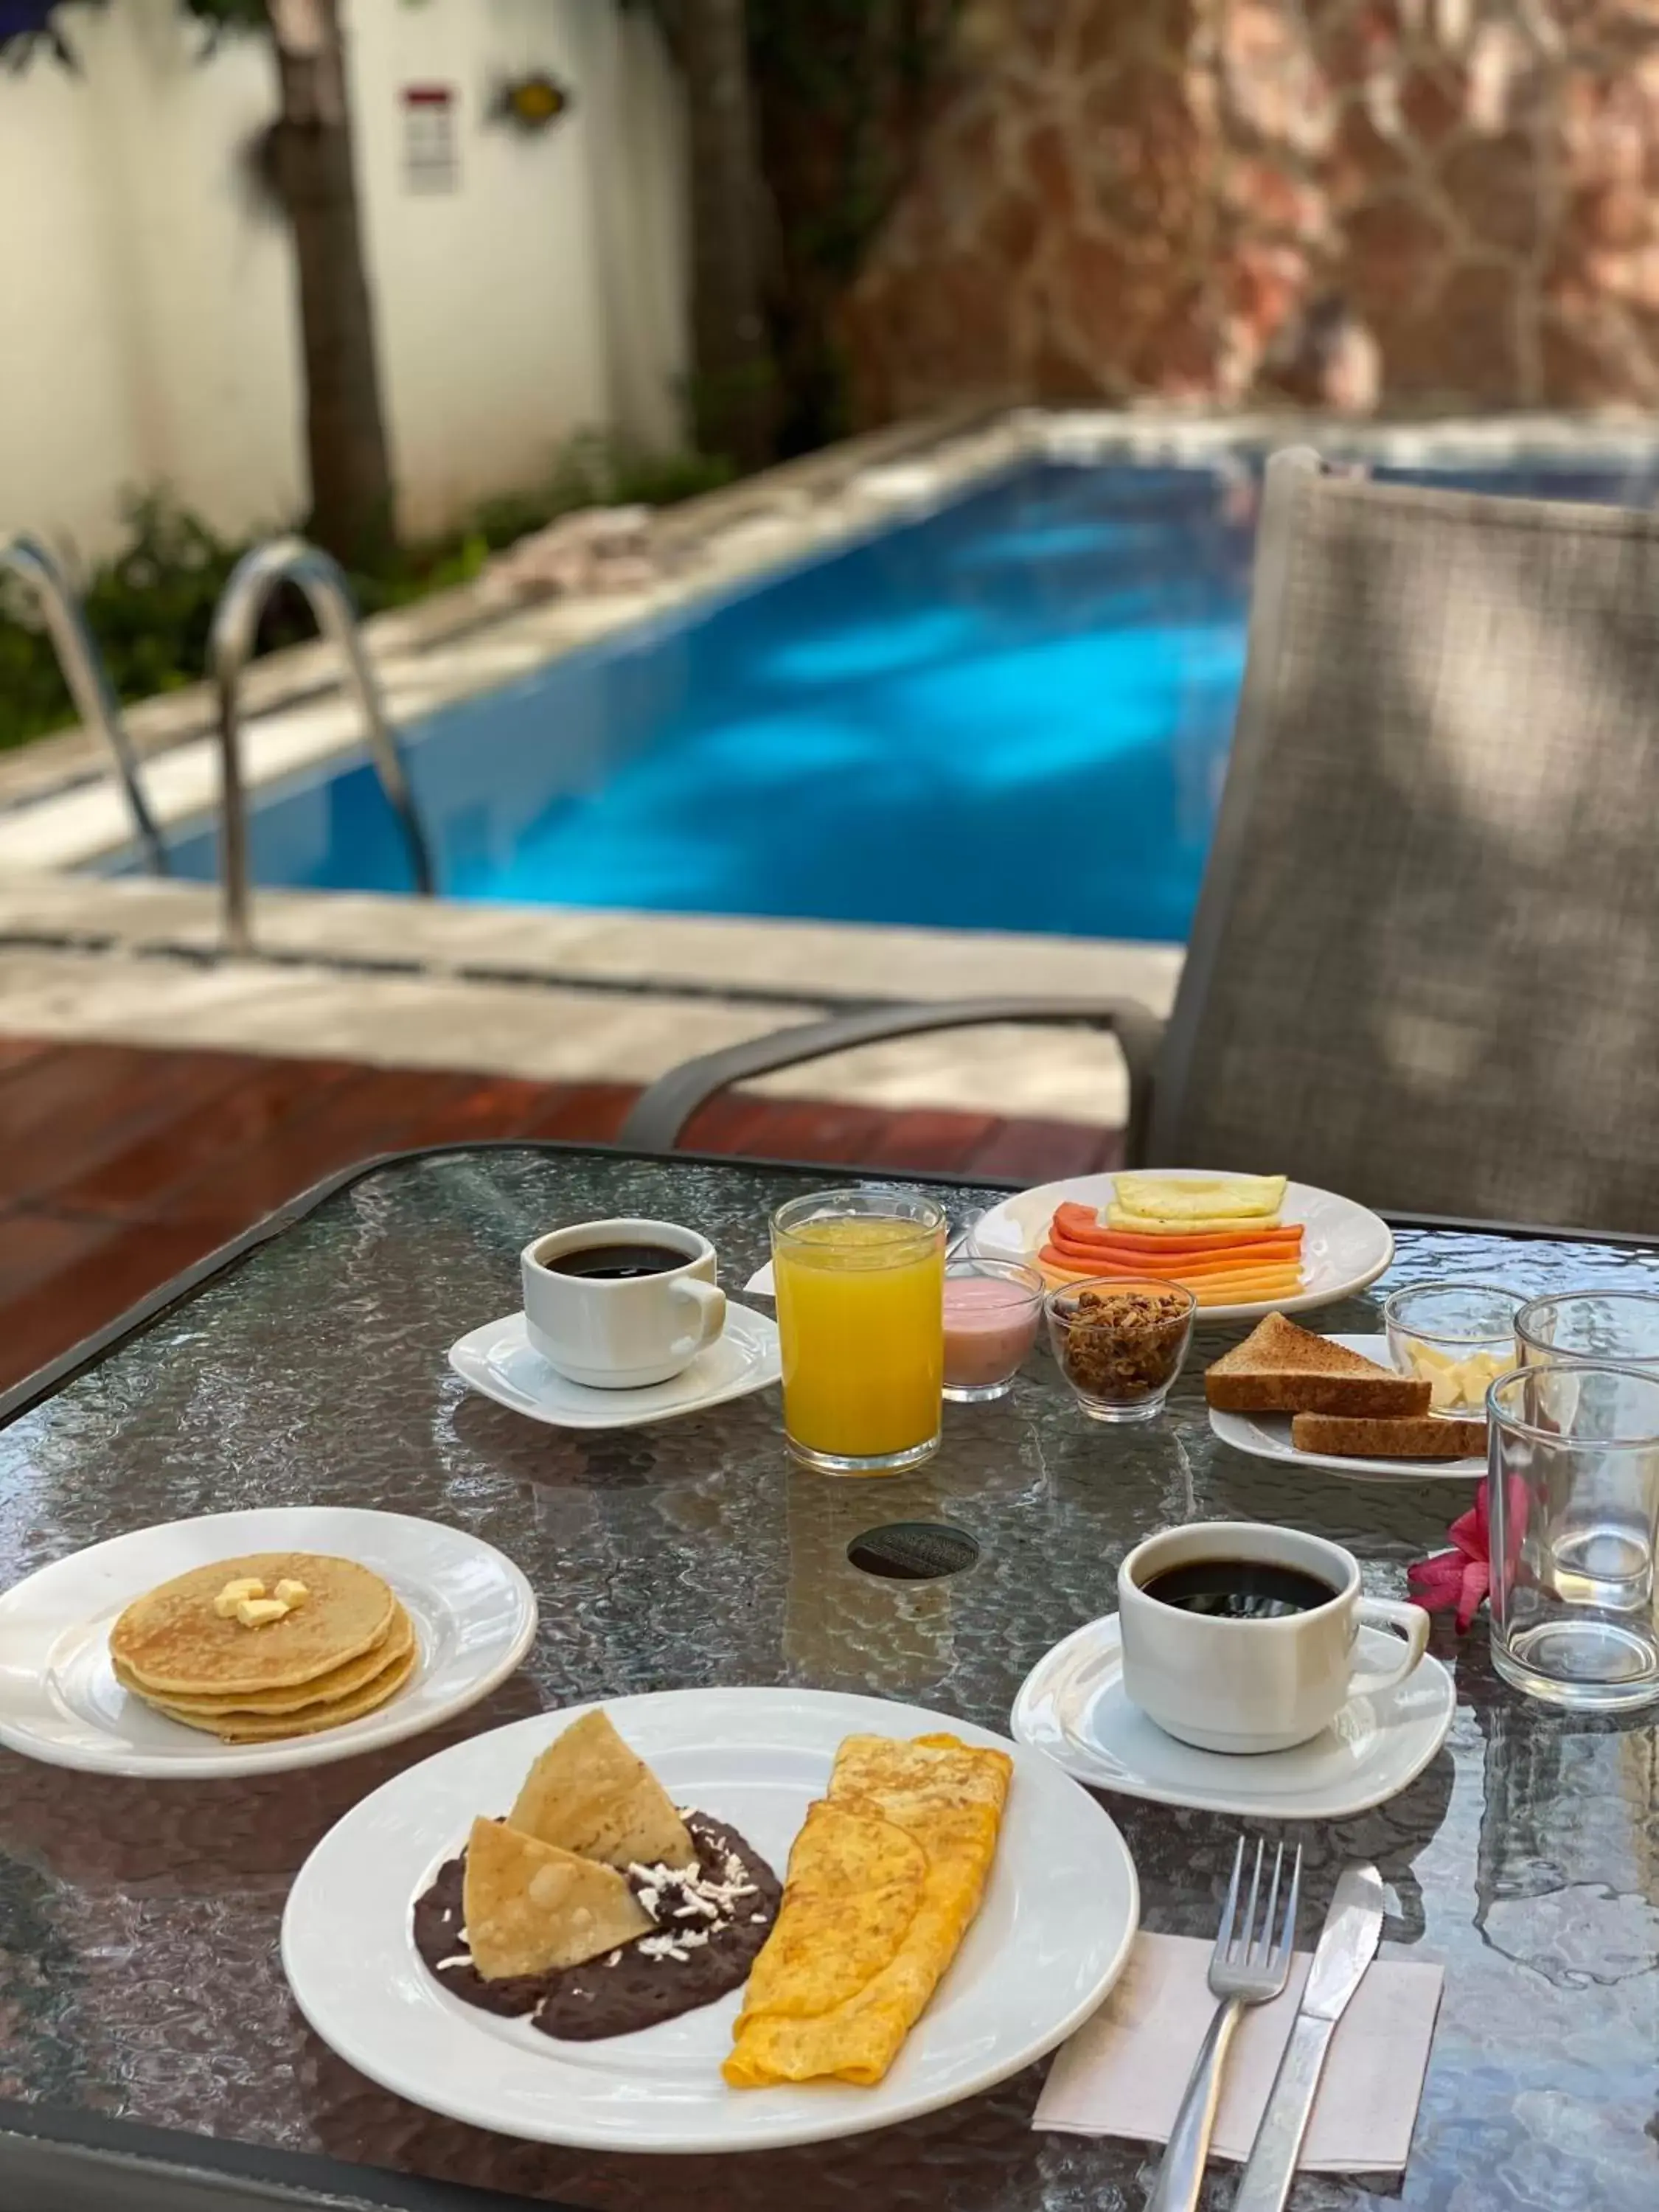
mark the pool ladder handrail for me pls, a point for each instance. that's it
(230, 648)
(87, 678)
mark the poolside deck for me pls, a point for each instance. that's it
(119, 1166)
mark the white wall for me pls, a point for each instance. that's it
(145, 328)
(147, 331)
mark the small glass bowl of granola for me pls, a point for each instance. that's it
(1120, 1343)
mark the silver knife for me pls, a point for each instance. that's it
(1353, 1928)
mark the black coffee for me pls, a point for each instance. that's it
(1238, 1589)
(615, 1263)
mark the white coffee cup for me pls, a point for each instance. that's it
(621, 1333)
(1250, 1685)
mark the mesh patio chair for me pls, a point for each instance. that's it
(1425, 968)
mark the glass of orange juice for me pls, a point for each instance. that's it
(860, 1276)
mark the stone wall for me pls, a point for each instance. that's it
(1411, 204)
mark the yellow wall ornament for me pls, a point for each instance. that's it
(532, 103)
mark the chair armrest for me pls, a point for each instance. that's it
(662, 1111)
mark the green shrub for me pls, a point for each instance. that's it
(151, 606)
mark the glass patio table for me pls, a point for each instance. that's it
(149, 2052)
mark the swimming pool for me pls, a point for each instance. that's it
(1011, 714)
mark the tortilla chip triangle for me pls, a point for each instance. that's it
(588, 1793)
(530, 1907)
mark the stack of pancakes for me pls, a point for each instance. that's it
(346, 1648)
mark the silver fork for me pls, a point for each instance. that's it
(1248, 1966)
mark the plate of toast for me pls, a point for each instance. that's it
(1336, 1402)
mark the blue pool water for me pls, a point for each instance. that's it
(1013, 713)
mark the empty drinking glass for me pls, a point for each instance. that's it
(1618, 1327)
(1574, 1505)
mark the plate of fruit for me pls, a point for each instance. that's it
(1245, 1245)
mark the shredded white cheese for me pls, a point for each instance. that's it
(689, 1905)
(677, 1894)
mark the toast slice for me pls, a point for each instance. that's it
(1282, 1369)
(1429, 1436)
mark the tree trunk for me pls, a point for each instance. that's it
(733, 384)
(351, 490)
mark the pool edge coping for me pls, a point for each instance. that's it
(757, 959)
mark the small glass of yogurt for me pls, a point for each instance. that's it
(991, 1308)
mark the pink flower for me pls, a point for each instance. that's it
(1462, 1577)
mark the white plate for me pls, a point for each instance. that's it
(1267, 1436)
(1059, 1913)
(59, 1700)
(497, 1360)
(1072, 1707)
(1345, 1246)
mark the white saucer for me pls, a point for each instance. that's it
(497, 1360)
(473, 1612)
(1072, 1705)
(1267, 1436)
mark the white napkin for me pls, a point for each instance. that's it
(1124, 2071)
(760, 1284)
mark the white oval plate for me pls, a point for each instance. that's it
(498, 1361)
(1267, 1436)
(1345, 1246)
(1072, 1707)
(59, 1700)
(1060, 1914)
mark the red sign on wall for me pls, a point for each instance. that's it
(431, 153)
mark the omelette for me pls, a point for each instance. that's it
(885, 1878)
